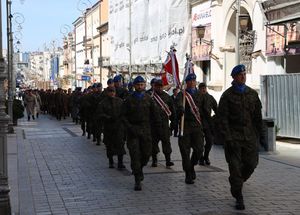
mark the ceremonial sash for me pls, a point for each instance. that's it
(162, 104)
(194, 108)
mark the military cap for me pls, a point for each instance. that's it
(117, 78)
(130, 84)
(138, 79)
(153, 80)
(238, 69)
(202, 84)
(190, 77)
(110, 81)
(158, 82)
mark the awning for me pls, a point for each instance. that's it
(281, 11)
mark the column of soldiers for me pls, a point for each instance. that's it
(141, 119)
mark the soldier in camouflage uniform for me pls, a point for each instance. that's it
(239, 113)
(84, 112)
(207, 122)
(138, 109)
(121, 92)
(192, 137)
(109, 112)
(167, 111)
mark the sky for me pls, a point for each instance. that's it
(43, 20)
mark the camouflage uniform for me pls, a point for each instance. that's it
(109, 112)
(137, 115)
(164, 134)
(211, 104)
(240, 118)
(192, 134)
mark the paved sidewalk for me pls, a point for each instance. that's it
(54, 170)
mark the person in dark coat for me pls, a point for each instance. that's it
(240, 116)
(167, 111)
(139, 111)
(192, 137)
(121, 92)
(109, 111)
(207, 121)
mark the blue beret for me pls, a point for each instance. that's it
(190, 77)
(117, 78)
(138, 79)
(110, 81)
(152, 80)
(158, 82)
(130, 84)
(237, 69)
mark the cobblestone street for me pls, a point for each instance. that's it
(54, 170)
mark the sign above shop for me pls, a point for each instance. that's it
(201, 14)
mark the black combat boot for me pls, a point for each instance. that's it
(94, 138)
(98, 142)
(193, 173)
(201, 161)
(111, 162)
(188, 178)
(28, 118)
(89, 136)
(154, 160)
(168, 160)
(83, 133)
(206, 159)
(120, 162)
(239, 205)
(33, 117)
(137, 184)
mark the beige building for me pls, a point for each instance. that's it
(104, 39)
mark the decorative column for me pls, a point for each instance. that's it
(4, 118)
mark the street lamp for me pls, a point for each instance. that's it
(201, 33)
(244, 22)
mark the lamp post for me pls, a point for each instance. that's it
(10, 65)
(237, 29)
(4, 118)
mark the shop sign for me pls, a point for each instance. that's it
(201, 14)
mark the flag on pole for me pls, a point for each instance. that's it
(188, 67)
(170, 76)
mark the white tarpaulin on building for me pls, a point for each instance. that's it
(155, 26)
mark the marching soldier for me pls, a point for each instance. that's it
(167, 111)
(109, 112)
(207, 123)
(239, 113)
(121, 92)
(138, 109)
(192, 137)
(150, 91)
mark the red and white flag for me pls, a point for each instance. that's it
(170, 76)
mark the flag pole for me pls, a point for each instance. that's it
(183, 87)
